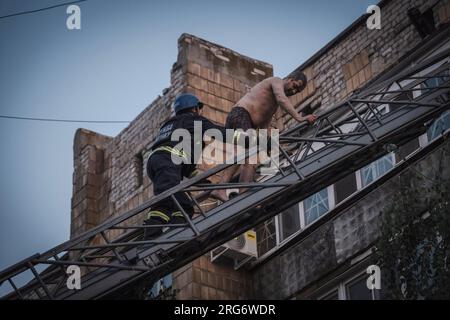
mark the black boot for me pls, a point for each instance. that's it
(155, 218)
(177, 218)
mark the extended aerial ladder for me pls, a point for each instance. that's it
(391, 111)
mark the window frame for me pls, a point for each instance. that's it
(358, 188)
(342, 286)
(301, 212)
(356, 277)
(279, 226)
(157, 285)
(441, 117)
(359, 177)
(330, 292)
(331, 205)
(276, 246)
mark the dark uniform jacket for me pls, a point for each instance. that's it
(185, 121)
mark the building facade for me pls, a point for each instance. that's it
(319, 248)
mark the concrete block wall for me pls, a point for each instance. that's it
(348, 234)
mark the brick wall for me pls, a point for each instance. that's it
(91, 182)
(109, 172)
(204, 280)
(362, 54)
(219, 77)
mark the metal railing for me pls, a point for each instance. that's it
(344, 138)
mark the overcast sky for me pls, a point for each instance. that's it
(112, 69)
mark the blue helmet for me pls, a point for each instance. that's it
(186, 101)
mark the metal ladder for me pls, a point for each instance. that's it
(348, 136)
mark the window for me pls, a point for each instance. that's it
(275, 231)
(331, 296)
(160, 286)
(315, 206)
(345, 187)
(348, 127)
(357, 289)
(430, 84)
(380, 109)
(443, 122)
(266, 236)
(289, 222)
(437, 80)
(376, 169)
(439, 126)
(401, 97)
(423, 22)
(406, 149)
(353, 288)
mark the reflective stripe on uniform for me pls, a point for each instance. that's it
(174, 151)
(177, 214)
(194, 173)
(159, 214)
(236, 136)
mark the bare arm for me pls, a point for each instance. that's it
(283, 100)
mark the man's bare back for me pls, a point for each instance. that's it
(261, 103)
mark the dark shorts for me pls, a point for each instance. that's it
(239, 118)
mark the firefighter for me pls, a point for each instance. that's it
(166, 173)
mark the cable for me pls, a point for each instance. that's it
(72, 120)
(62, 120)
(42, 9)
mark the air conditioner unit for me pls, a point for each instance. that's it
(231, 191)
(239, 250)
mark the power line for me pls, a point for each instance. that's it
(41, 9)
(62, 120)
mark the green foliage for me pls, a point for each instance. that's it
(414, 243)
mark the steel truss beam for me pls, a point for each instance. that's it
(344, 138)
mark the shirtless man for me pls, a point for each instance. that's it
(255, 110)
